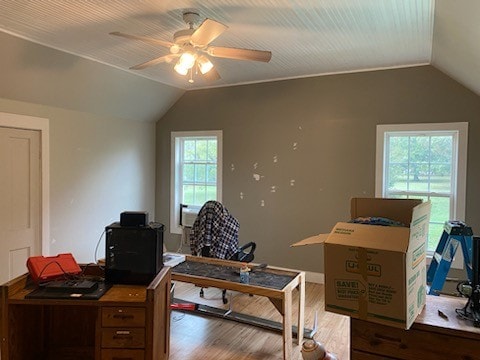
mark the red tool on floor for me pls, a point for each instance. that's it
(189, 307)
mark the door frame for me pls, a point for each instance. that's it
(27, 122)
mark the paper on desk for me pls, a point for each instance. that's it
(172, 259)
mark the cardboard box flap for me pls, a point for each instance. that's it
(393, 209)
(317, 239)
(418, 228)
(370, 236)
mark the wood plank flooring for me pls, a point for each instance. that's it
(197, 337)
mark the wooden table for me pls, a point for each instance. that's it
(438, 333)
(130, 322)
(275, 284)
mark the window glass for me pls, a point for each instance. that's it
(201, 150)
(188, 172)
(196, 175)
(200, 196)
(423, 163)
(212, 150)
(211, 191)
(188, 194)
(414, 172)
(199, 169)
(211, 174)
(189, 150)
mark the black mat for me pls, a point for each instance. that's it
(257, 278)
(44, 293)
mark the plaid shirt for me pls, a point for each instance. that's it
(215, 227)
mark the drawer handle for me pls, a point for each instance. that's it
(122, 316)
(388, 338)
(122, 334)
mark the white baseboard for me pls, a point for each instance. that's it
(314, 277)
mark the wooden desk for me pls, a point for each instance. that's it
(221, 274)
(431, 337)
(129, 322)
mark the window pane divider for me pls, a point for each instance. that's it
(419, 193)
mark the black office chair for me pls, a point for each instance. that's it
(215, 234)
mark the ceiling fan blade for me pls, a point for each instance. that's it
(208, 31)
(239, 54)
(166, 58)
(166, 44)
(212, 75)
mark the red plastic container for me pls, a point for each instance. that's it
(46, 268)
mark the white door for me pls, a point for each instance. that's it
(20, 207)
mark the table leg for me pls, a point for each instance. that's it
(301, 308)
(287, 325)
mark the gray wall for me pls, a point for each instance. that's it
(321, 131)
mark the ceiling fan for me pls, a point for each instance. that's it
(191, 48)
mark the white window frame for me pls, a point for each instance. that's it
(459, 180)
(175, 172)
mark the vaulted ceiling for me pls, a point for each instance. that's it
(306, 37)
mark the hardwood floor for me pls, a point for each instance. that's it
(200, 337)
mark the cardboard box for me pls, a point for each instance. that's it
(377, 273)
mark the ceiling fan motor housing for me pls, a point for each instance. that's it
(191, 17)
(182, 37)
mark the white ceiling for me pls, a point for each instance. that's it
(306, 37)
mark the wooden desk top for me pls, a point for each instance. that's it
(437, 333)
(439, 316)
(15, 291)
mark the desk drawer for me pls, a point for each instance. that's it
(120, 354)
(413, 344)
(123, 317)
(123, 338)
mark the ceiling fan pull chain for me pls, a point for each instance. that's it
(191, 76)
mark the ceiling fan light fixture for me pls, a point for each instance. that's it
(174, 49)
(179, 68)
(187, 60)
(204, 64)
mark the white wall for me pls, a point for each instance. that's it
(102, 137)
(99, 167)
(37, 74)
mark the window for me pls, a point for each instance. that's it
(428, 162)
(196, 171)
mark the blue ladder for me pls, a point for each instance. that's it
(454, 233)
